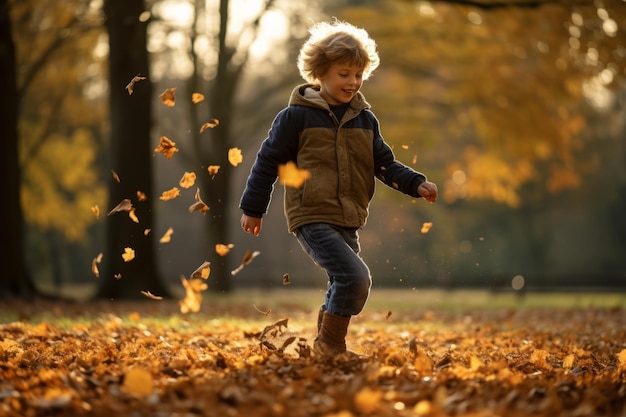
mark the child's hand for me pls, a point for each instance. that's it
(251, 224)
(428, 191)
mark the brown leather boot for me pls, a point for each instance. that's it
(331, 339)
(320, 317)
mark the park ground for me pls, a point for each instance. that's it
(423, 353)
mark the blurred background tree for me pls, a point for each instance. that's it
(514, 108)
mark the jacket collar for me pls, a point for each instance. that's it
(309, 95)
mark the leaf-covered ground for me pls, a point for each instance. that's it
(147, 359)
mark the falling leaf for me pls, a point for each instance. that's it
(188, 179)
(199, 205)
(115, 176)
(213, 169)
(168, 97)
(94, 265)
(197, 98)
(388, 315)
(117, 276)
(234, 156)
(131, 85)
(124, 205)
(265, 313)
(193, 295)
(146, 232)
(203, 271)
(222, 250)
(95, 210)
(247, 258)
(132, 215)
(286, 280)
(170, 194)
(141, 196)
(128, 255)
(167, 147)
(426, 227)
(150, 295)
(167, 236)
(209, 125)
(414, 160)
(291, 176)
(138, 382)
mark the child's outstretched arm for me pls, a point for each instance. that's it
(251, 224)
(428, 190)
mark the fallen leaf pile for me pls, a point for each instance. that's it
(146, 362)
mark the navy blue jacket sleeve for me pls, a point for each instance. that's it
(391, 172)
(280, 147)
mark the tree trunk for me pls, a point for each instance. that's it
(14, 279)
(131, 158)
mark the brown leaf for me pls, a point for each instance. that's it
(124, 205)
(170, 194)
(209, 125)
(167, 236)
(131, 85)
(188, 179)
(203, 271)
(197, 98)
(150, 295)
(199, 205)
(168, 97)
(167, 147)
(247, 258)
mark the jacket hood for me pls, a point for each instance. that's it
(309, 95)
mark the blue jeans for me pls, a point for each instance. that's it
(336, 250)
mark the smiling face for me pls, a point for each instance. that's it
(340, 83)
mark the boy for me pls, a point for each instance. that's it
(329, 130)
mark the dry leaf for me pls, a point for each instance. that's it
(209, 125)
(168, 97)
(132, 215)
(193, 295)
(286, 280)
(247, 258)
(138, 381)
(117, 276)
(141, 196)
(150, 295)
(265, 313)
(188, 179)
(128, 255)
(291, 176)
(389, 313)
(167, 236)
(124, 205)
(199, 205)
(146, 232)
(197, 98)
(131, 85)
(213, 169)
(426, 227)
(170, 194)
(234, 156)
(167, 147)
(222, 250)
(95, 210)
(94, 265)
(115, 176)
(203, 271)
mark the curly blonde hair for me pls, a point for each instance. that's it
(336, 42)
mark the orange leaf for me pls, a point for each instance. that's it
(166, 147)
(141, 196)
(193, 295)
(128, 255)
(203, 271)
(115, 176)
(170, 194)
(247, 258)
(209, 125)
(132, 215)
(95, 210)
(188, 179)
(234, 156)
(291, 176)
(168, 97)
(167, 237)
(213, 169)
(426, 227)
(138, 381)
(222, 250)
(94, 265)
(197, 98)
